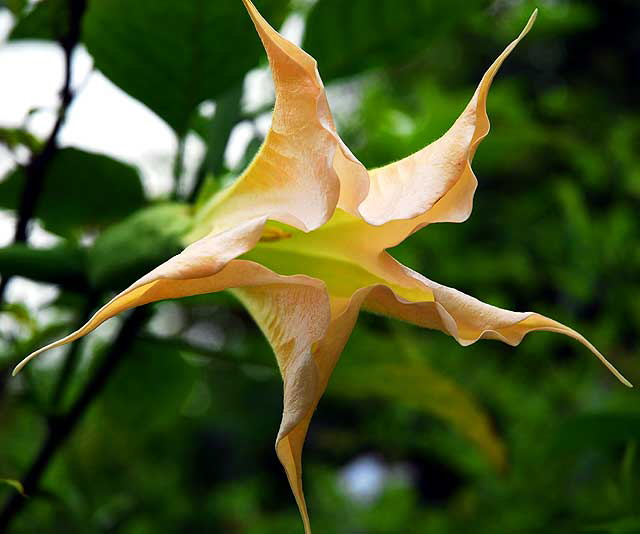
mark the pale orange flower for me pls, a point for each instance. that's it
(300, 238)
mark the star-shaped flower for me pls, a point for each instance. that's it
(300, 238)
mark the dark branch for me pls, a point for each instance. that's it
(214, 355)
(227, 115)
(36, 169)
(178, 166)
(61, 427)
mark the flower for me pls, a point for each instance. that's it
(301, 239)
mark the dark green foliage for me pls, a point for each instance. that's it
(15, 6)
(173, 55)
(168, 381)
(47, 21)
(64, 264)
(598, 431)
(349, 37)
(15, 137)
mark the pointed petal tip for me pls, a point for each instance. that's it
(529, 24)
(20, 366)
(610, 366)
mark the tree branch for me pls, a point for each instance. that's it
(217, 356)
(227, 115)
(178, 166)
(37, 167)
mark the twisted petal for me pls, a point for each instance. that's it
(206, 266)
(467, 319)
(307, 349)
(292, 179)
(435, 184)
(307, 330)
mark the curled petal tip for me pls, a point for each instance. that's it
(615, 372)
(530, 22)
(611, 368)
(19, 367)
(24, 362)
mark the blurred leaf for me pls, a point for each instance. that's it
(13, 137)
(81, 189)
(15, 484)
(20, 313)
(63, 264)
(349, 37)
(131, 248)
(556, 18)
(412, 382)
(150, 387)
(626, 525)
(174, 55)
(209, 187)
(47, 21)
(15, 6)
(597, 431)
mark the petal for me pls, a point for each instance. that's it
(307, 331)
(206, 266)
(467, 319)
(435, 184)
(354, 180)
(292, 178)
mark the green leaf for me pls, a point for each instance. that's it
(626, 525)
(63, 265)
(14, 137)
(15, 6)
(47, 21)
(131, 248)
(81, 190)
(597, 431)
(349, 37)
(168, 380)
(250, 153)
(409, 380)
(173, 55)
(15, 484)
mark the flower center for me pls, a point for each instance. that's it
(335, 253)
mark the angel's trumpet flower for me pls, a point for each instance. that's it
(300, 238)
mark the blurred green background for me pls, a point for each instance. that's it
(415, 434)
